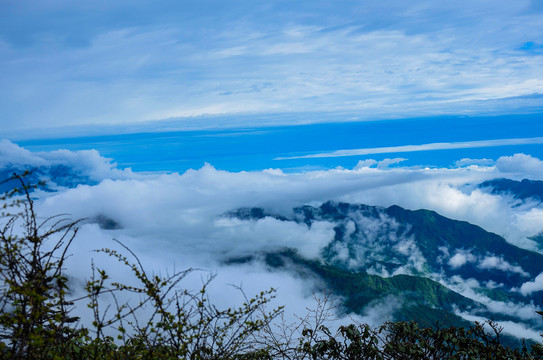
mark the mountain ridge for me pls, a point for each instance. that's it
(414, 256)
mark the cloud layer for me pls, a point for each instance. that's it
(67, 63)
(177, 219)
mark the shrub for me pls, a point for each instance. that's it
(34, 311)
(35, 321)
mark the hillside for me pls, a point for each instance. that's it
(435, 268)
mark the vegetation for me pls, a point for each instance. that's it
(169, 322)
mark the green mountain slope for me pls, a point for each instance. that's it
(377, 254)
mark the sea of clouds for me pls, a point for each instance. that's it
(176, 220)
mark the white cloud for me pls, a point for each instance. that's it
(520, 163)
(494, 262)
(384, 164)
(474, 162)
(88, 162)
(183, 60)
(509, 327)
(380, 310)
(531, 286)
(488, 262)
(379, 239)
(437, 146)
(470, 288)
(365, 164)
(530, 219)
(447, 191)
(268, 234)
(84, 162)
(460, 259)
(11, 154)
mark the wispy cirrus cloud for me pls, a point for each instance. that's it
(66, 63)
(423, 147)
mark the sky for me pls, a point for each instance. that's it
(164, 115)
(125, 66)
(422, 142)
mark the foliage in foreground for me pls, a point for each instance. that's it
(161, 320)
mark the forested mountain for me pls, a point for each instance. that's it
(525, 189)
(431, 267)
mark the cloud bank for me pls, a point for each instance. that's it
(133, 62)
(87, 165)
(178, 219)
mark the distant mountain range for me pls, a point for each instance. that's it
(523, 190)
(54, 175)
(436, 268)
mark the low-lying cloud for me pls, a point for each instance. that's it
(534, 285)
(83, 165)
(178, 219)
(488, 262)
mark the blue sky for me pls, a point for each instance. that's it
(128, 65)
